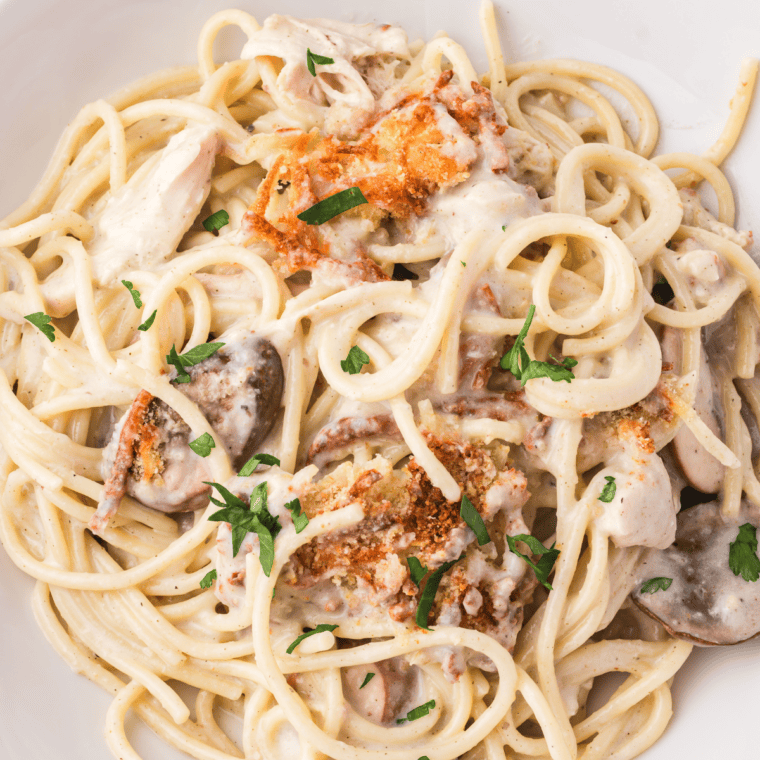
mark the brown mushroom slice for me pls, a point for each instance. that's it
(390, 688)
(238, 389)
(705, 603)
(703, 471)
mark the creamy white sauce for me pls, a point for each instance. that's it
(643, 510)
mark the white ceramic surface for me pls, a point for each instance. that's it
(56, 55)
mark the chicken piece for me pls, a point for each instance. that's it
(705, 603)
(642, 511)
(143, 222)
(238, 389)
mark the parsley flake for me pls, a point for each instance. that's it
(367, 679)
(609, 490)
(202, 445)
(134, 293)
(417, 570)
(474, 521)
(216, 221)
(194, 356)
(42, 321)
(463, 263)
(250, 466)
(312, 58)
(148, 322)
(544, 566)
(355, 360)
(330, 207)
(428, 595)
(517, 361)
(208, 579)
(300, 520)
(418, 712)
(656, 584)
(321, 628)
(244, 519)
(742, 554)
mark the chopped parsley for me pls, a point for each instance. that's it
(417, 570)
(517, 361)
(244, 519)
(300, 520)
(321, 628)
(134, 293)
(656, 584)
(203, 444)
(355, 360)
(428, 595)
(544, 566)
(742, 554)
(312, 58)
(148, 322)
(330, 207)
(474, 521)
(418, 712)
(42, 321)
(208, 579)
(609, 490)
(194, 356)
(250, 466)
(216, 221)
(367, 679)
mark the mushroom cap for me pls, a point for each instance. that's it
(705, 603)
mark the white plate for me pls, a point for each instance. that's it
(56, 55)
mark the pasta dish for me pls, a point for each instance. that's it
(355, 405)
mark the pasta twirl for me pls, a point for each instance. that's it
(355, 394)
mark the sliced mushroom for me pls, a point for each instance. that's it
(389, 689)
(238, 389)
(703, 471)
(705, 603)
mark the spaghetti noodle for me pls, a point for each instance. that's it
(319, 465)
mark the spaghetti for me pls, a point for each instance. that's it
(319, 465)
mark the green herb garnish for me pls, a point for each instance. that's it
(517, 361)
(321, 628)
(194, 356)
(333, 205)
(216, 221)
(148, 322)
(134, 293)
(208, 579)
(312, 58)
(203, 444)
(244, 519)
(431, 588)
(474, 521)
(656, 584)
(355, 360)
(609, 490)
(42, 321)
(300, 520)
(742, 554)
(250, 466)
(417, 570)
(548, 556)
(418, 712)
(367, 679)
